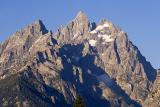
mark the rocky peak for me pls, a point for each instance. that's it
(81, 24)
(38, 24)
(106, 33)
(82, 17)
(34, 29)
(76, 31)
(118, 72)
(26, 36)
(19, 44)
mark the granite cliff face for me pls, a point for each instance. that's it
(96, 61)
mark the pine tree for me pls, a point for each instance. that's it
(79, 102)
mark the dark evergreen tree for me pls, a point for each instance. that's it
(79, 102)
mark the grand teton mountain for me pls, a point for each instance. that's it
(96, 61)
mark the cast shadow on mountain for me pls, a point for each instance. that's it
(89, 71)
(33, 82)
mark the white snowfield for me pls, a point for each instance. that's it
(75, 36)
(93, 32)
(100, 27)
(92, 42)
(106, 37)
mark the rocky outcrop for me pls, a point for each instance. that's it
(75, 32)
(154, 95)
(17, 48)
(96, 61)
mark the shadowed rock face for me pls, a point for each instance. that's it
(96, 61)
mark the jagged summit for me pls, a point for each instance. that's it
(99, 63)
(37, 26)
(81, 16)
(38, 22)
(75, 31)
(81, 20)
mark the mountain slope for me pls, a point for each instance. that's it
(25, 90)
(96, 61)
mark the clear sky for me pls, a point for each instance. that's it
(139, 18)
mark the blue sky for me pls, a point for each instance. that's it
(139, 18)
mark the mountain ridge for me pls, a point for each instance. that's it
(96, 61)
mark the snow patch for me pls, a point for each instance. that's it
(106, 79)
(122, 32)
(68, 60)
(106, 25)
(75, 36)
(107, 38)
(3, 77)
(103, 43)
(103, 54)
(81, 24)
(100, 27)
(92, 42)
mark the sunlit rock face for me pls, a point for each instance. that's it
(96, 61)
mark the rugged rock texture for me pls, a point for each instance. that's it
(154, 95)
(96, 61)
(75, 32)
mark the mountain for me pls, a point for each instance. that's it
(96, 61)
